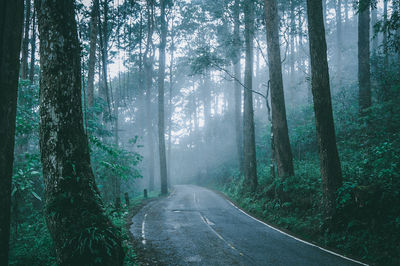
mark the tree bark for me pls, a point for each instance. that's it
(161, 107)
(82, 233)
(12, 17)
(250, 162)
(92, 51)
(364, 76)
(328, 154)
(283, 152)
(25, 41)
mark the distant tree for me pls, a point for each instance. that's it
(238, 89)
(161, 107)
(82, 233)
(364, 75)
(25, 41)
(33, 48)
(282, 150)
(249, 145)
(94, 18)
(330, 168)
(12, 16)
(148, 59)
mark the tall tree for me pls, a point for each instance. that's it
(338, 10)
(82, 233)
(238, 89)
(283, 152)
(330, 168)
(161, 107)
(364, 75)
(94, 18)
(25, 41)
(33, 48)
(249, 145)
(12, 17)
(148, 76)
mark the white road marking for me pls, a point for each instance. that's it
(298, 239)
(143, 233)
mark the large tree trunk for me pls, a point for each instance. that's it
(92, 51)
(25, 41)
(238, 87)
(283, 152)
(329, 158)
(364, 76)
(12, 17)
(161, 107)
(250, 162)
(82, 233)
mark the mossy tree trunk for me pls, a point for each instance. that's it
(283, 151)
(364, 75)
(330, 168)
(81, 232)
(12, 16)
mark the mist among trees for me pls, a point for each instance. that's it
(288, 108)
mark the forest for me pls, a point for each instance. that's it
(200, 132)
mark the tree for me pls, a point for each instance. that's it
(12, 16)
(330, 168)
(238, 89)
(148, 76)
(364, 75)
(249, 145)
(161, 107)
(25, 41)
(92, 51)
(82, 233)
(282, 150)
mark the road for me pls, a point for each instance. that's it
(196, 226)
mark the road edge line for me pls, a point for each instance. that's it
(291, 236)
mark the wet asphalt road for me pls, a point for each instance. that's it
(196, 226)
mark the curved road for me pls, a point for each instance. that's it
(196, 226)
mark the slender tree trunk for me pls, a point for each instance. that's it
(329, 158)
(250, 162)
(171, 66)
(92, 51)
(33, 48)
(346, 12)
(161, 107)
(339, 40)
(292, 36)
(82, 233)
(12, 17)
(237, 86)
(364, 76)
(283, 152)
(25, 42)
(385, 36)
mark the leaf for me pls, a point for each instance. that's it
(36, 195)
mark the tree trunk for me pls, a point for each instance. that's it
(92, 51)
(339, 40)
(364, 76)
(25, 41)
(12, 17)
(33, 48)
(329, 158)
(283, 152)
(82, 233)
(161, 77)
(250, 162)
(148, 76)
(385, 36)
(238, 87)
